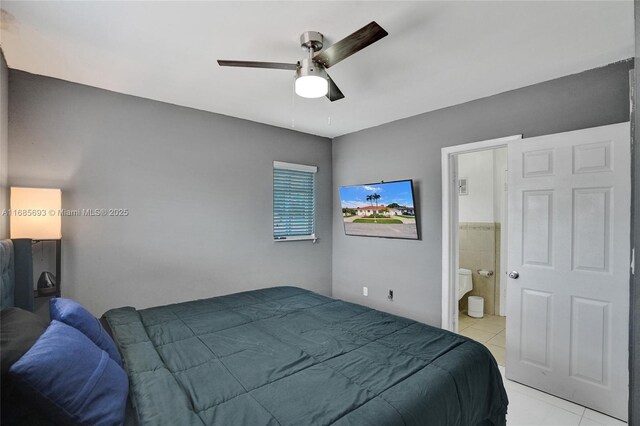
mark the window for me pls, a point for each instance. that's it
(294, 201)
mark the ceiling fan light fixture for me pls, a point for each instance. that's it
(311, 80)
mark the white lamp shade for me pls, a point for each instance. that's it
(311, 86)
(35, 213)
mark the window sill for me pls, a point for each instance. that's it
(296, 238)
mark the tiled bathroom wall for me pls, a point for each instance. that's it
(479, 244)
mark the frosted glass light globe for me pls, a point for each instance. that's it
(311, 86)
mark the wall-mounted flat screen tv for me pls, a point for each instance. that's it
(385, 209)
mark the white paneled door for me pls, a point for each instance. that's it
(569, 253)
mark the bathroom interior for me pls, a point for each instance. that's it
(482, 248)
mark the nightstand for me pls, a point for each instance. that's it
(41, 305)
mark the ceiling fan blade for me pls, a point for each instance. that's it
(334, 93)
(256, 64)
(351, 44)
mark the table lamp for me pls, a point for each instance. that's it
(35, 214)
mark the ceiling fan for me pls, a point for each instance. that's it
(312, 80)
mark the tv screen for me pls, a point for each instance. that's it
(383, 209)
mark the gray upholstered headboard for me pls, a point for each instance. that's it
(16, 274)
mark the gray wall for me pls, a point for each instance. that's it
(410, 148)
(634, 359)
(198, 187)
(4, 145)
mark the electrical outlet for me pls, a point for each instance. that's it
(365, 291)
(390, 296)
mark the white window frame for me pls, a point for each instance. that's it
(302, 168)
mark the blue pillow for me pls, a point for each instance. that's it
(72, 380)
(74, 314)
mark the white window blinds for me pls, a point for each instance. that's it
(294, 204)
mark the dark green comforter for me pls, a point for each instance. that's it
(287, 356)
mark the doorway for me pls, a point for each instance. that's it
(482, 248)
(475, 234)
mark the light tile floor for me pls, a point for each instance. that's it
(528, 406)
(488, 330)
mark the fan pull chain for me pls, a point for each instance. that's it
(293, 105)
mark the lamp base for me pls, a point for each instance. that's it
(46, 291)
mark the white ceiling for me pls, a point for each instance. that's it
(437, 54)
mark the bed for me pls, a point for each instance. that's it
(288, 356)
(276, 356)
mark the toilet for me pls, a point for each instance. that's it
(465, 282)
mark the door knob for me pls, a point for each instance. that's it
(514, 275)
